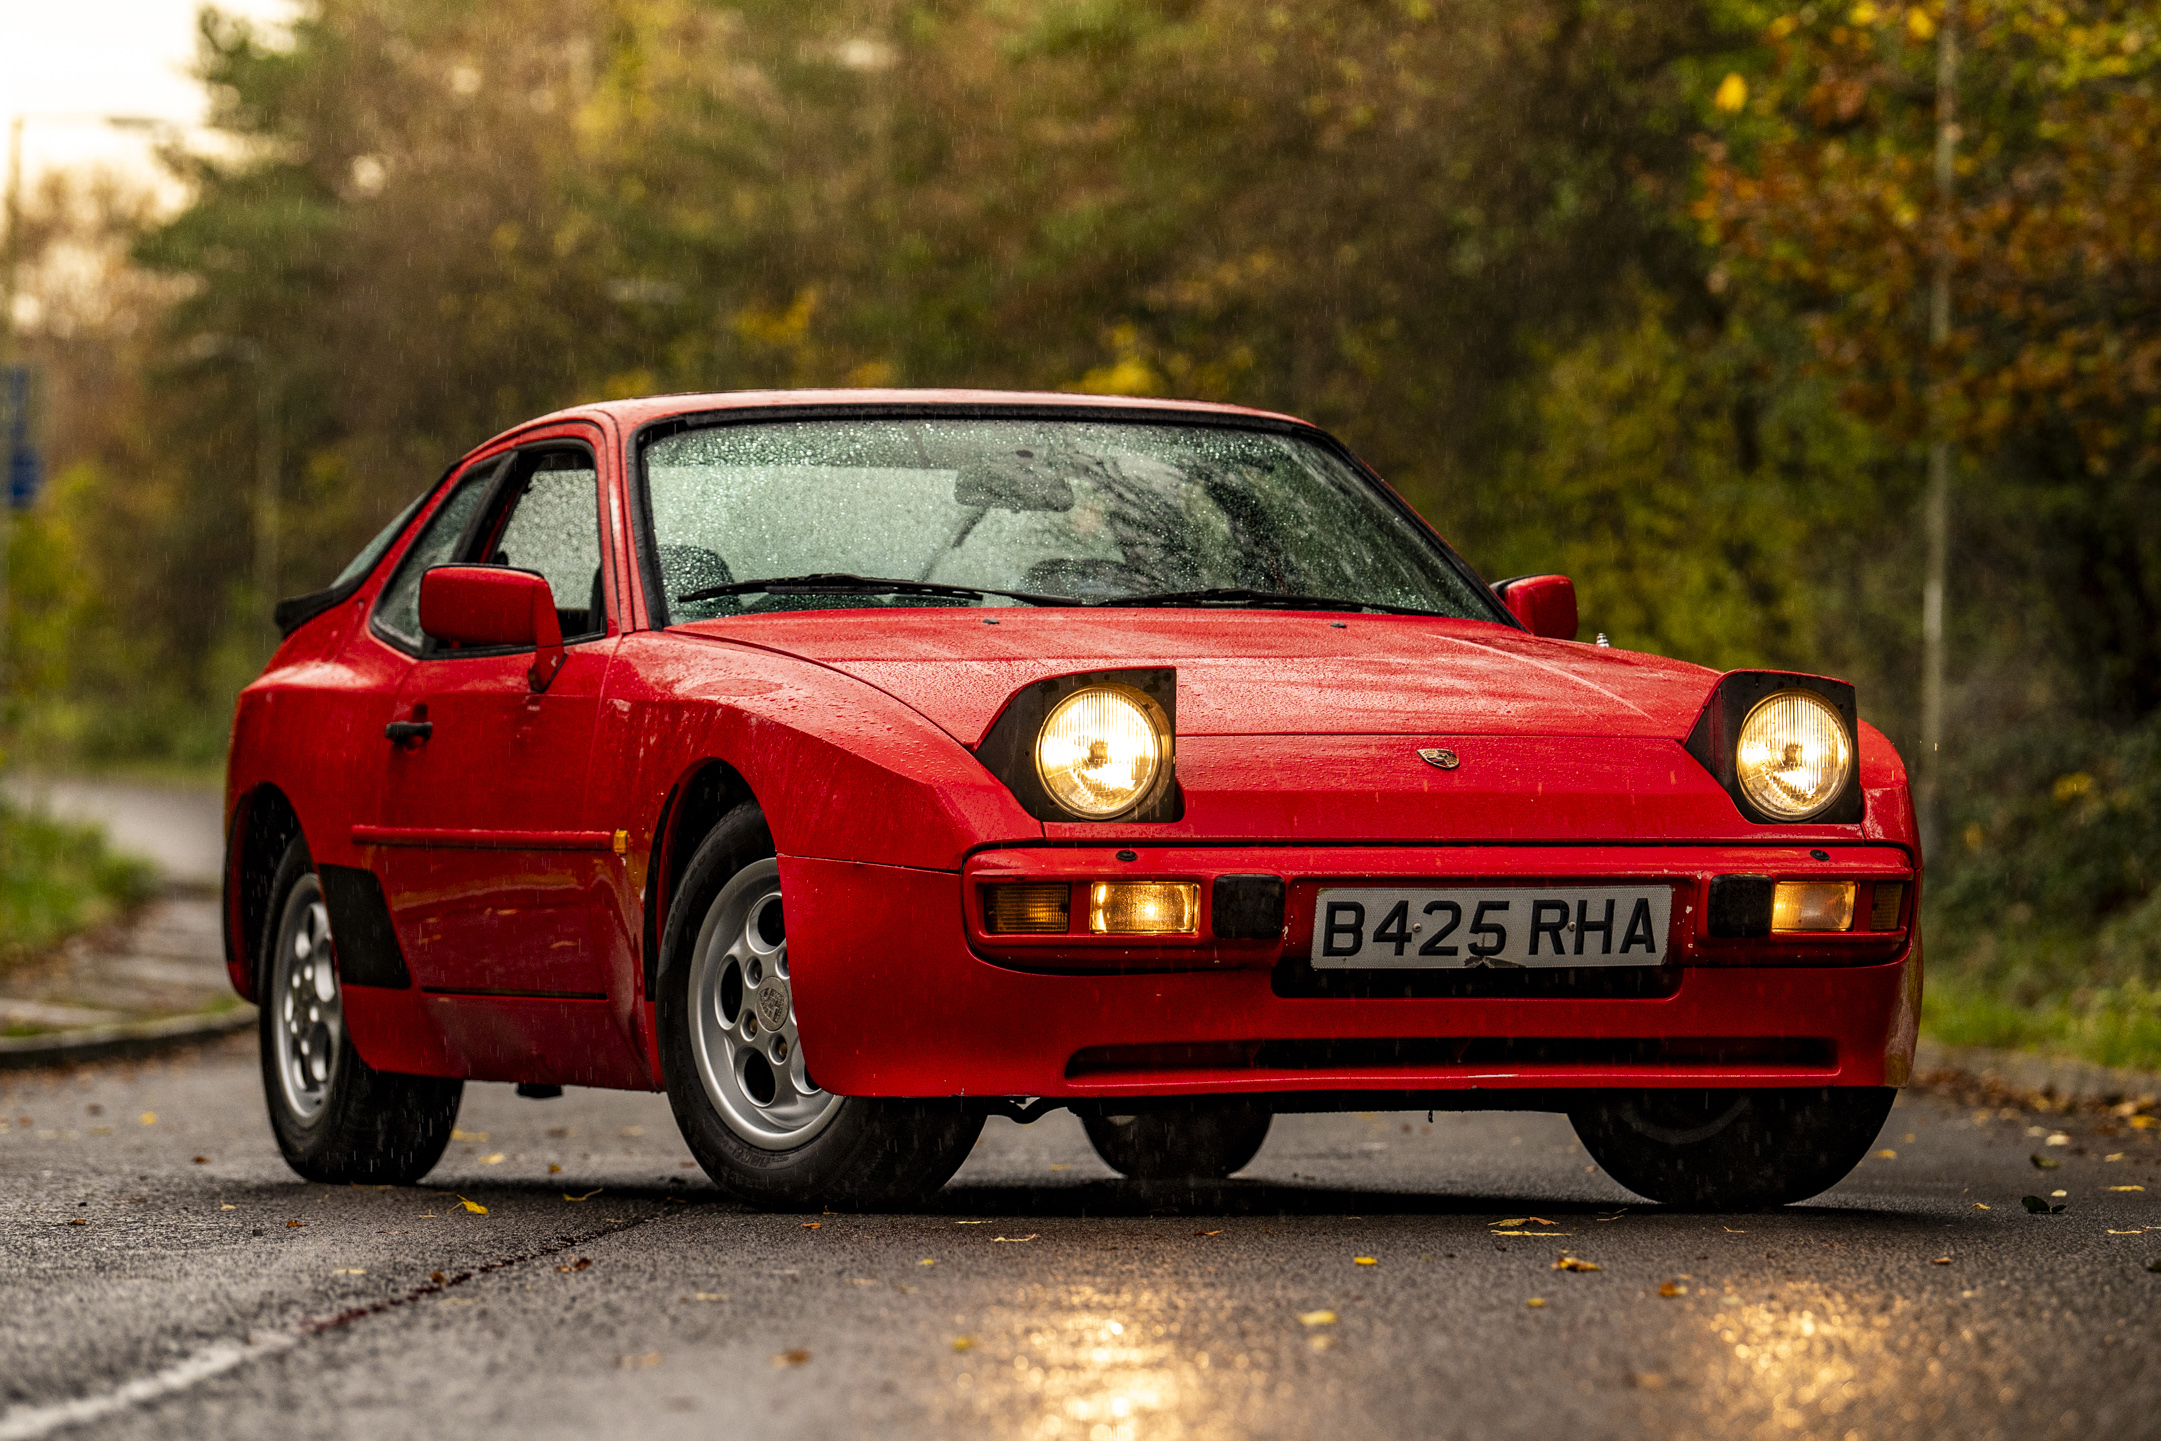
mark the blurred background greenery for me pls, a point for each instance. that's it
(1636, 291)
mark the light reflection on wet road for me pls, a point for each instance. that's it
(1058, 1302)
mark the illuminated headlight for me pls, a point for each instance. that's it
(1793, 756)
(1101, 751)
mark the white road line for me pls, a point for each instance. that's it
(27, 1423)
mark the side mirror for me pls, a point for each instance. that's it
(493, 605)
(1546, 604)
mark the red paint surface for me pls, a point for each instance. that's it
(1296, 754)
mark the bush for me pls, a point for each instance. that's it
(56, 879)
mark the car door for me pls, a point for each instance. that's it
(493, 888)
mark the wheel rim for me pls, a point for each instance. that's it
(310, 1020)
(742, 1018)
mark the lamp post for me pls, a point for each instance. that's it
(10, 280)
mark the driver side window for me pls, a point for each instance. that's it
(550, 523)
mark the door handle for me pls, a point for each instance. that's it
(402, 731)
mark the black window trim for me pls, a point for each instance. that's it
(508, 463)
(641, 513)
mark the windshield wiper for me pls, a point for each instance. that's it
(1232, 595)
(842, 583)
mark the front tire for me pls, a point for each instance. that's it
(1732, 1150)
(743, 1092)
(336, 1118)
(1194, 1141)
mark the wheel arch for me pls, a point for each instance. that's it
(264, 823)
(707, 791)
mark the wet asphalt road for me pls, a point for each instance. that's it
(210, 1292)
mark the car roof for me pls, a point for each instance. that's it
(631, 414)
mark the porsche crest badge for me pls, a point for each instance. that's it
(1445, 759)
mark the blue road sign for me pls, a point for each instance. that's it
(25, 466)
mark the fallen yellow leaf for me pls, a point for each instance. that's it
(639, 1363)
(1511, 1221)
(350, 1271)
(1029, 1237)
(1364, 1261)
(1887, 1154)
(1978, 1206)
(1536, 1301)
(2126, 1188)
(791, 1358)
(963, 1343)
(150, 1118)
(1316, 1318)
(1530, 1233)
(1576, 1263)
(554, 1169)
(473, 1136)
(707, 1296)
(2146, 1123)
(494, 1160)
(812, 1225)
(1941, 1261)
(474, 1206)
(927, 1261)
(1670, 1288)
(589, 1195)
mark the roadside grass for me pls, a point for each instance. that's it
(57, 879)
(2064, 990)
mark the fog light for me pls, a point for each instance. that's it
(1030, 910)
(1812, 906)
(1144, 908)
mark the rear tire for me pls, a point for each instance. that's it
(1191, 1141)
(336, 1118)
(1733, 1150)
(744, 1098)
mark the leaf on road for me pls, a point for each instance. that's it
(2134, 1231)
(971, 1223)
(1536, 1301)
(1316, 1318)
(1672, 1288)
(494, 1160)
(1015, 1239)
(1734, 1231)
(964, 1343)
(350, 1271)
(1941, 1261)
(78, 1221)
(589, 1195)
(633, 1131)
(1061, 1168)
(1575, 1263)
(227, 1206)
(639, 1363)
(473, 1136)
(578, 1265)
(294, 1225)
(554, 1169)
(928, 1261)
(2039, 1207)
(202, 1160)
(1511, 1221)
(1887, 1154)
(1365, 1261)
(2146, 1123)
(2043, 1163)
(150, 1118)
(437, 1277)
(1530, 1233)
(707, 1296)
(473, 1206)
(1218, 1233)
(2123, 1188)
(1982, 1206)
(791, 1358)
(2059, 1194)
(812, 1225)
(2057, 1138)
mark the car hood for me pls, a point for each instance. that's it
(1249, 672)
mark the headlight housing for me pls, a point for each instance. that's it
(1096, 746)
(1793, 755)
(1100, 751)
(1785, 746)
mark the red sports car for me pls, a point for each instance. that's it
(856, 765)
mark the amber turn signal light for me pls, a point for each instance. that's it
(1144, 908)
(1812, 906)
(1028, 910)
(1885, 905)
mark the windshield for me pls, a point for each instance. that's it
(1102, 512)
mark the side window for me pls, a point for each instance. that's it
(397, 609)
(553, 527)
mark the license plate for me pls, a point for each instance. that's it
(1373, 927)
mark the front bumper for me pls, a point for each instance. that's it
(896, 998)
